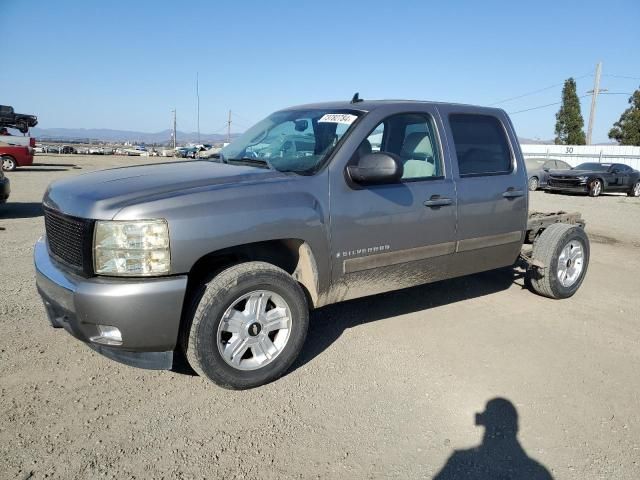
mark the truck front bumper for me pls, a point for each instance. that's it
(146, 312)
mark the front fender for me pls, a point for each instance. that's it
(205, 221)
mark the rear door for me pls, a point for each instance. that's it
(491, 186)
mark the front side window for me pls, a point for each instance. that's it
(410, 136)
(292, 140)
(481, 144)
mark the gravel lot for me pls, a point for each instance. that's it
(388, 386)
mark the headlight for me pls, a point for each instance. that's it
(132, 248)
(583, 179)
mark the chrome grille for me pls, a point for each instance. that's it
(560, 181)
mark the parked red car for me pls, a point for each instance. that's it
(16, 151)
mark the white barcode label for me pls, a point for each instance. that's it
(338, 118)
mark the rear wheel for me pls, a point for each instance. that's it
(635, 190)
(534, 183)
(595, 188)
(249, 326)
(8, 163)
(562, 250)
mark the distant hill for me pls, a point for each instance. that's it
(109, 135)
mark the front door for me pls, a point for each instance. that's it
(385, 237)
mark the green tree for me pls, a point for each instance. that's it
(569, 122)
(626, 131)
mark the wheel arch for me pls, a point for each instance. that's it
(293, 255)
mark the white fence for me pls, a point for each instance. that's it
(576, 154)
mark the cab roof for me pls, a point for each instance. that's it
(369, 105)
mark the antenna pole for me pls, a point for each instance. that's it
(594, 98)
(173, 133)
(198, 102)
(229, 128)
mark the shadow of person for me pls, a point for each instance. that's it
(500, 456)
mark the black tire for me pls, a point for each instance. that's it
(595, 188)
(200, 339)
(546, 251)
(534, 184)
(635, 190)
(8, 163)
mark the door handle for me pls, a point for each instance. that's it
(437, 201)
(513, 193)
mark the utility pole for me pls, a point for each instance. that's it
(173, 132)
(198, 101)
(594, 98)
(229, 128)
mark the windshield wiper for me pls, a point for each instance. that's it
(252, 161)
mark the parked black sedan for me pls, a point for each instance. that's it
(595, 178)
(538, 170)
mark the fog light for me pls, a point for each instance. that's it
(107, 335)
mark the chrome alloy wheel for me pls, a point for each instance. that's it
(570, 263)
(254, 330)
(636, 189)
(597, 188)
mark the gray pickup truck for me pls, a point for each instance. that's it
(316, 204)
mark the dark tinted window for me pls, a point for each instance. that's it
(598, 167)
(481, 144)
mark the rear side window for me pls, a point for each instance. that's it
(481, 144)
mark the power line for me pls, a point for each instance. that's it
(537, 91)
(544, 106)
(558, 103)
(621, 76)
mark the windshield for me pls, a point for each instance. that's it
(292, 140)
(533, 163)
(597, 167)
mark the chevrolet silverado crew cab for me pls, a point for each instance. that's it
(316, 204)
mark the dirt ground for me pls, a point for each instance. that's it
(388, 386)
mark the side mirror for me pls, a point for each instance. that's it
(546, 169)
(615, 170)
(301, 125)
(376, 169)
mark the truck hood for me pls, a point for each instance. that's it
(102, 194)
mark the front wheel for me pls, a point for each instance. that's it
(8, 164)
(249, 326)
(562, 255)
(635, 190)
(534, 183)
(595, 188)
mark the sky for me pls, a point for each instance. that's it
(126, 64)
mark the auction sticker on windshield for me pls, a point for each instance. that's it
(338, 118)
